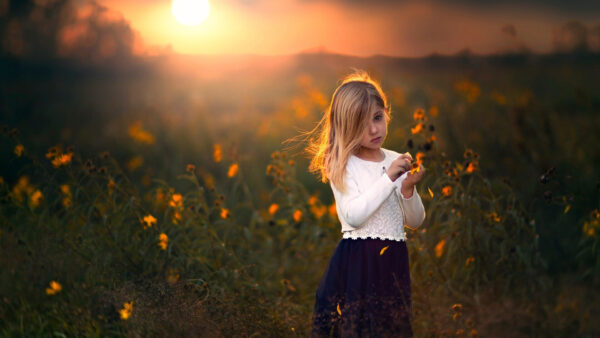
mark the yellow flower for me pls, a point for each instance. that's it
(19, 148)
(333, 210)
(297, 215)
(419, 114)
(417, 129)
(434, 111)
(35, 198)
(493, 215)
(149, 220)
(439, 248)
(111, 186)
(54, 288)
(312, 200)
(217, 155)
(383, 250)
(138, 134)
(176, 200)
(173, 275)
(471, 167)
(567, 208)
(233, 169)
(125, 312)
(62, 159)
(469, 260)
(224, 213)
(135, 163)
(273, 208)
(430, 192)
(176, 217)
(190, 168)
(163, 241)
(318, 211)
(457, 307)
(447, 190)
(338, 310)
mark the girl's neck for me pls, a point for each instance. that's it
(375, 155)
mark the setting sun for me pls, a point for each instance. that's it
(190, 12)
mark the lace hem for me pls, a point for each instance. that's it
(349, 235)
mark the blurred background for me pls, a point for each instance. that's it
(147, 186)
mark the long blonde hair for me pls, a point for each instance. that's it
(341, 128)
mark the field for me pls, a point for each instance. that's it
(160, 197)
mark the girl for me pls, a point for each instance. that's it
(365, 290)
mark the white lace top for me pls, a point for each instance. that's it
(372, 205)
(385, 223)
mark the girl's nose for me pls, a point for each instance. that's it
(373, 128)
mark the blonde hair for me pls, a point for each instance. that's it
(340, 130)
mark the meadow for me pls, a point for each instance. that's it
(163, 198)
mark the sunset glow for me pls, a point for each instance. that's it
(190, 12)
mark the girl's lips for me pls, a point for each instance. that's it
(377, 139)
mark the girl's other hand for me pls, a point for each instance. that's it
(399, 166)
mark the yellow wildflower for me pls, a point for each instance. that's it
(430, 192)
(138, 134)
(35, 198)
(62, 159)
(333, 210)
(125, 312)
(224, 213)
(383, 250)
(297, 215)
(447, 190)
(163, 241)
(176, 200)
(469, 260)
(233, 169)
(417, 129)
(318, 211)
(176, 217)
(434, 111)
(439, 248)
(135, 163)
(190, 168)
(419, 114)
(19, 148)
(217, 155)
(54, 288)
(111, 186)
(172, 275)
(149, 220)
(312, 200)
(273, 208)
(471, 167)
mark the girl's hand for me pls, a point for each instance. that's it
(411, 180)
(399, 166)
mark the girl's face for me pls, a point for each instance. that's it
(376, 131)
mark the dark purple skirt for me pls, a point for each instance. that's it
(364, 293)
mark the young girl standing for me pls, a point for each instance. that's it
(365, 290)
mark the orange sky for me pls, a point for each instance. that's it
(411, 28)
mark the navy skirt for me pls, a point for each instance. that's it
(365, 292)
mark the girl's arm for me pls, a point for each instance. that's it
(356, 206)
(413, 208)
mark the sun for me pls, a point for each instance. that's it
(190, 12)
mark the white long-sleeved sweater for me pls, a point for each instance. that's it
(373, 205)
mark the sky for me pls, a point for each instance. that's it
(363, 28)
(96, 31)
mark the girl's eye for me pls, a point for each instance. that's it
(378, 117)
